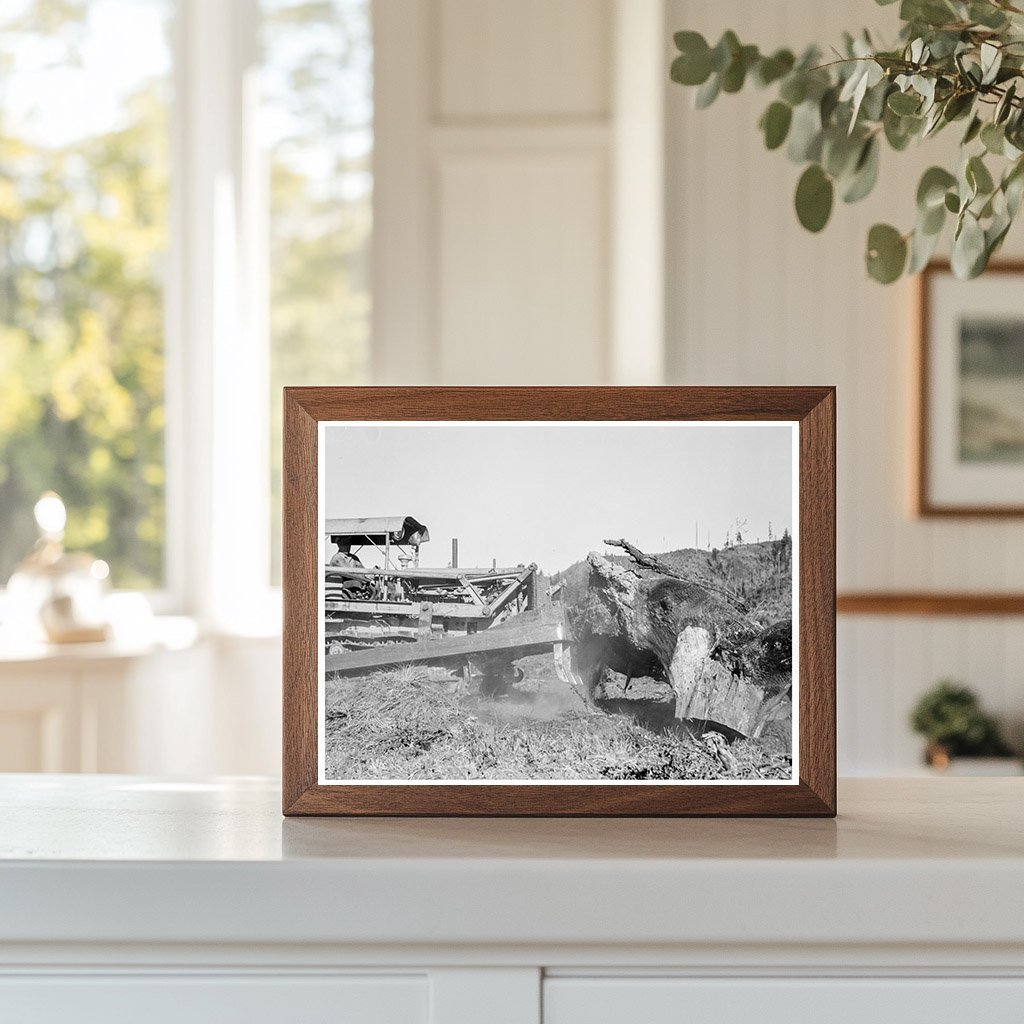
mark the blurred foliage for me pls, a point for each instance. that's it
(83, 235)
(82, 230)
(950, 717)
(957, 61)
(318, 81)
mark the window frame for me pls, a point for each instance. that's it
(217, 350)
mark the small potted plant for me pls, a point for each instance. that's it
(950, 718)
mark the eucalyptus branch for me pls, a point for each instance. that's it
(955, 61)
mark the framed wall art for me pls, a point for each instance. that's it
(970, 444)
(559, 601)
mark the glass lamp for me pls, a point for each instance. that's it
(55, 595)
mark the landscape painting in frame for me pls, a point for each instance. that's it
(972, 393)
(545, 602)
(992, 389)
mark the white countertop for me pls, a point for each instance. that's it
(123, 859)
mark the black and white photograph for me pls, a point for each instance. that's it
(529, 602)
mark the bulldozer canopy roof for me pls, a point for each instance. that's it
(376, 529)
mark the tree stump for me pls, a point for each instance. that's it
(671, 629)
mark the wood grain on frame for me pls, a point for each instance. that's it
(814, 408)
(922, 501)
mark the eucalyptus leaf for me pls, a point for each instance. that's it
(1005, 105)
(922, 248)
(900, 130)
(929, 12)
(724, 51)
(794, 88)
(931, 190)
(873, 106)
(735, 74)
(904, 103)
(691, 70)
(932, 221)
(687, 41)
(932, 122)
(944, 44)
(978, 176)
(925, 87)
(973, 130)
(886, 253)
(827, 106)
(814, 195)
(995, 233)
(805, 133)
(840, 152)
(1014, 192)
(771, 69)
(865, 173)
(707, 93)
(775, 124)
(987, 15)
(991, 60)
(968, 248)
(993, 138)
(866, 75)
(1013, 187)
(958, 105)
(966, 187)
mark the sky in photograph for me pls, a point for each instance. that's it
(551, 493)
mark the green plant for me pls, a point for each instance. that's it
(950, 717)
(956, 61)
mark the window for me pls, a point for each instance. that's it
(317, 87)
(83, 235)
(144, 182)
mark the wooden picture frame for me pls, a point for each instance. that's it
(939, 491)
(810, 792)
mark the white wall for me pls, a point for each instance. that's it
(505, 132)
(754, 299)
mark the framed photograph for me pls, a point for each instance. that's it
(970, 450)
(559, 601)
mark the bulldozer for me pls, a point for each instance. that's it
(383, 609)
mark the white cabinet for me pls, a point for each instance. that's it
(481, 996)
(202, 999)
(126, 899)
(829, 1000)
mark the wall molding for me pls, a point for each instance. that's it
(929, 603)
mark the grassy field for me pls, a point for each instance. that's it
(421, 723)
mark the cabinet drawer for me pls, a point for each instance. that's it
(675, 1000)
(202, 999)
